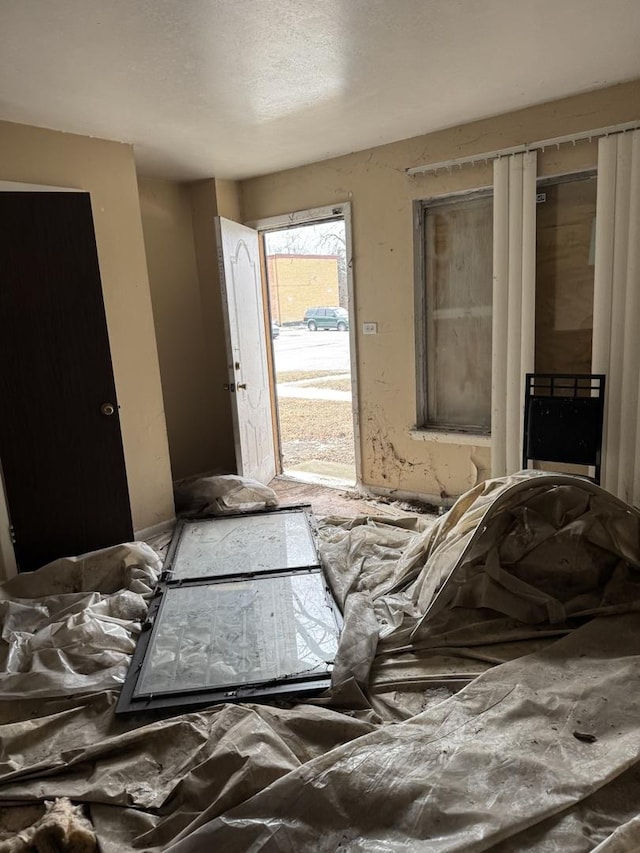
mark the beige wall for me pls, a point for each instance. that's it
(382, 195)
(191, 416)
(107, 170)
(182, 257)
(228, 199)
(204, 209)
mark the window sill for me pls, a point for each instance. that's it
(442, 437)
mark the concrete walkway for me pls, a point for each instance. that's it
(312, 389)
(291, 389)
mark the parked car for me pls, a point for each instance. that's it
(275, 329)
(326, 318)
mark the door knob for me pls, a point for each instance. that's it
(107, 409)
(242, 385)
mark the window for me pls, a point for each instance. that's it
(565, 224)
(454, 314)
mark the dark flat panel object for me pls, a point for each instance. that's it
(563, 418)
(61, 453)
(564, 431)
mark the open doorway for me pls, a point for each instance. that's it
(309, 288)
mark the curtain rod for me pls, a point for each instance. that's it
(459, 162)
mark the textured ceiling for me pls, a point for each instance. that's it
(235, 88)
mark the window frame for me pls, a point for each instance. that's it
(420, 209)
(290, 687)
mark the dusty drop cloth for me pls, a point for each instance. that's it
(502, 592)
(485, 765)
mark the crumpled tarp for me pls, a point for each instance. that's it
(222, 495)
(485, 766)
(526, 592)
(72, 626)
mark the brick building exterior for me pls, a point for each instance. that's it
(298, 282)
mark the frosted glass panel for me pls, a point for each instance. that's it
(232, 546)
(459, 282)
(240, 632)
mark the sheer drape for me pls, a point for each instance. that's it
(513, 333)
(616, 311)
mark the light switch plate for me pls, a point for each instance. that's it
(369, 328)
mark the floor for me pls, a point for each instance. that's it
(325, 500)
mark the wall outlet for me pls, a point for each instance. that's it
(369, 328)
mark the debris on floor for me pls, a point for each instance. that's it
(483, 696)
(62, 828)
(339, 501)
(419, 507)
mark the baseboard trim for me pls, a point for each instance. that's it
(400, 495)
(154, 530)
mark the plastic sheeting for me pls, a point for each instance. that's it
(72, 626)
(496, 759)
(222, 495)
(526, 591)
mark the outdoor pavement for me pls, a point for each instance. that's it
(300, 349)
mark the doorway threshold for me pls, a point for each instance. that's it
(331, 476)
(330, 500)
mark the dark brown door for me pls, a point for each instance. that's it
(60, 447)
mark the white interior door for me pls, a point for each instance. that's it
(241, 287)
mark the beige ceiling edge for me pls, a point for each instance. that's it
(16, 187)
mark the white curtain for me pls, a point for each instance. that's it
(616, 309)
(514, 294)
